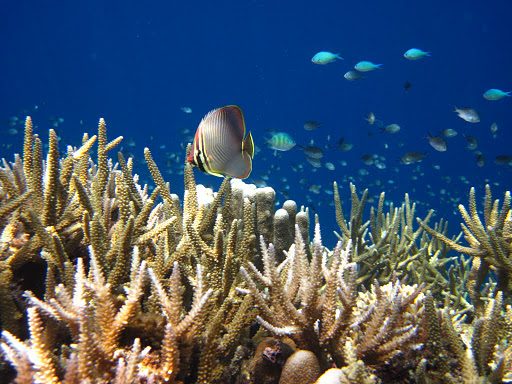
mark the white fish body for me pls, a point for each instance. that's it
(391, 128)
(468, 114)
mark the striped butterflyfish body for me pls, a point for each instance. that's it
(219, 146)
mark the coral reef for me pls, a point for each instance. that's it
(105, 280)
(490, 245)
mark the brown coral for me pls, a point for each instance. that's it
(114, 258)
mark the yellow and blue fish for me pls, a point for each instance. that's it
(280, 141)
(219, 146)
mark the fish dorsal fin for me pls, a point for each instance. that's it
(248, 145)
(208, 115)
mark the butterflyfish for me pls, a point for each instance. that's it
(219, 146)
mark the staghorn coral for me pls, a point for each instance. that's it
(94, 321)
(138, 286)
(79, 205)
(387, 245)
(459, 351)
(51, 207)
(323, 314)
(490, 244)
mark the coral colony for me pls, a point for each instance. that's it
(102, 281)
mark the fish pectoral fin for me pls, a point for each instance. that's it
(248, 145)
(215, 173)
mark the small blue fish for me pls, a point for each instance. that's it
(324, 57)
(281, 141)
(496, 94)
(219, 146)
(366, 66)
(415, 54)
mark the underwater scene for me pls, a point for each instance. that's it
(256, 192)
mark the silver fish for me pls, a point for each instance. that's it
(313, 151)
(412, 157)
(448, 132)
(311, 125)
(468, 114)
(391, 128)
(438, 143)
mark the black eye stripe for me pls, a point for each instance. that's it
(199, 161)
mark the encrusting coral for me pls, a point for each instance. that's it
(104, 281)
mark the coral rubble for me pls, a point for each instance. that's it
(105, 280)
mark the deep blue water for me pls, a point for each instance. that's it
(137, 63)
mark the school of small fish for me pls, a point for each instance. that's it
(221, 146)
(314, 153)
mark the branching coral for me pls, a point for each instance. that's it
(94, 320)
(387, 245)
(136, 286)
(316, 303)
(58, 214)
(462, 352)
(490, 244)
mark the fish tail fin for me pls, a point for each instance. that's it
(379, 65)
(339, 57)
(428, 54)
(509, 93)
(248, 145)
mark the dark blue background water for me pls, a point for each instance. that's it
(137, 63)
